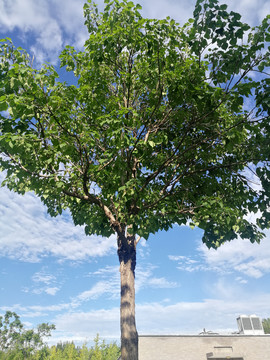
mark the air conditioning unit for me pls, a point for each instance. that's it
(250, 325)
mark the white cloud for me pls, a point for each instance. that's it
(218, 312)
(33, 19)
(43, 277)
(240, 255)
(36, 311)
(251, 260)
(142, 249)
(178, 10)
(263, 10)
(241, 280)
(186, 263)
(51, 290)
(252, 11)
(49, 24)
(215, 314)
(162, 283)
(177, 257)
(109, 285)
(110, 288)
(145, 279)
(71, 20)
(83, 326)
(104, 272)
(26, 14)
(250, 270)
(191, 317)
(28, 233)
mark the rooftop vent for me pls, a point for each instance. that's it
(250, 325)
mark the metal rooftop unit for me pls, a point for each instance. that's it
(250, 325)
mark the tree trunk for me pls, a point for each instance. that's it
(127, 259)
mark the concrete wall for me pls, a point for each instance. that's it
(203, 347)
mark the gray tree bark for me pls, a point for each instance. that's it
(127, 259)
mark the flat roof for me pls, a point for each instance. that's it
(207, 335)
(223, 356)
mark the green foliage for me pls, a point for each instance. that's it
(102, 351)
(155, 131)
(266, 325)
(19, 343)
(66, 351)
(11, 330)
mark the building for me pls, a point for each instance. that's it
(250, 343)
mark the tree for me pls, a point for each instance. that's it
(156, 130)
(17, 342)
(11, 330)
(266, 325)
(100, 351)
(103, 351)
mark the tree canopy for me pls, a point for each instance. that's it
(154, 132)
(164, 124)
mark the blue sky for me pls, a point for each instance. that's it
(51, 272)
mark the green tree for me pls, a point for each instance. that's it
(84, 353)
(111, 352)
(103, 351)
(11, 330)
(155, 131)
(266, 325)
(18, 343)
(100, 351)
(53, 353)
(96, 351)
(70, 352)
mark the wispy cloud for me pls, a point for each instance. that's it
(43, 277)
(216, 314)
(101, 288)
(241, 280)
(44, 283)
(47, 290)
(240, 255)
(51, 290)
(191, 317)
(29, 234)
(145, 278)
(109, 285)
(251, 260)
(84, 325)
(189, 264)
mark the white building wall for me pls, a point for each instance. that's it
(203, 347)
